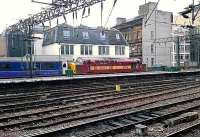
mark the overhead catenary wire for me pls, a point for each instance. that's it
(110, 13)
(101, 13)
(83, 16)
(152, 12)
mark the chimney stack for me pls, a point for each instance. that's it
(120, 20)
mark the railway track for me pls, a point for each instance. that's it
(59, 97)
(90, 103)
(75, 93)
(118, 122)
(194, 128)
(59, 90)
(71, 114)
(111, 95)
(118, 110)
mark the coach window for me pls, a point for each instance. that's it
(5, 66)
(48, 66)
(86, 49)
(103, 50)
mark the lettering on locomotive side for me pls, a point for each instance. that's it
(128, 67)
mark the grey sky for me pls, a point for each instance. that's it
(12, 10)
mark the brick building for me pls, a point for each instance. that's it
(132, 32)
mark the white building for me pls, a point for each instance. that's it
(184, 43)
(72, 43)
(157, 26)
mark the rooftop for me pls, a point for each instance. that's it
(130, 23)
(83, 35)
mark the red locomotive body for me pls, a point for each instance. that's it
(105, 66)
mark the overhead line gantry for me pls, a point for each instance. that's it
(57, 9)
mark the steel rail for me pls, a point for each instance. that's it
(59, 100)
(94, 121)
(89, 109)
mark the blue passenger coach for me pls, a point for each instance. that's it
(14, 69)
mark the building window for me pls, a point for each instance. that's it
(45, 37)
(187, 47)
(139, 35)
(181, 57)
(67, 50)
(152, 61)
(175, 57)
(86, 49)
(187, 57)
(126, 36)
(66, 34)
(175, 47)
(119, 50)
(102, 35)
(85, 35)
(62, 50)
(182, 48)
(118, 37)
(152, 35)
(152, 48)
(30, 50)
(103, 50)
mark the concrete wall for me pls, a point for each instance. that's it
(157, 27)
(55, 49)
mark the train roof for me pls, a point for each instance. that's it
(36, 58)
